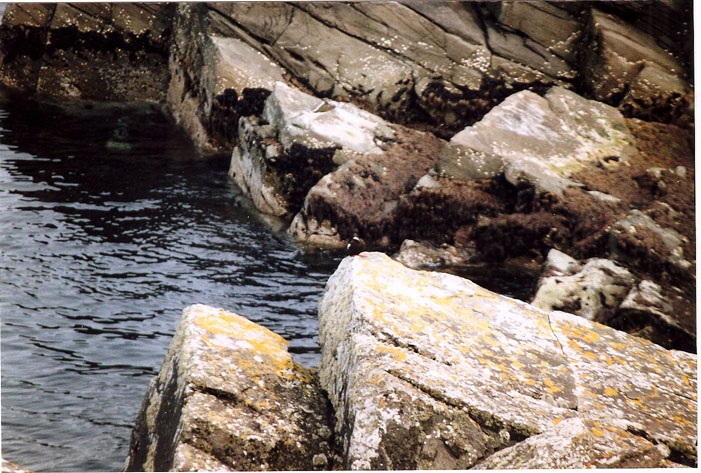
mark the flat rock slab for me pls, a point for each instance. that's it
(501, 370)
(541, 140)
(230, 397)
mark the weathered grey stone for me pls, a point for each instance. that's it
(594, 292)
(299, 139)
(579, 443)
(637, 235)
(509, 370)
(627, 65)
(323, 123)
(544, 23)
(558, 263)
(416, 255)
(543, 140)
(229, 396)
(660, 314)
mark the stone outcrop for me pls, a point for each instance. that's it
(422, 370)
(428, 370)
(93, 51)
(229, 397)
(214, 78)
(540, 141)
(443, 64)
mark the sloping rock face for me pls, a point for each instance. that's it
(428, 370)
(449, 63)
(440, 64)
(229, 397)
(214, 78)
(95, 51)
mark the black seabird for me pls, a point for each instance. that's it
(355, 246)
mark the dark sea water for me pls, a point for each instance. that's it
(110, 225)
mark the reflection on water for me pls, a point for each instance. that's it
(111, 226)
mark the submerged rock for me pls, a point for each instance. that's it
(230, 397)
(427, 370)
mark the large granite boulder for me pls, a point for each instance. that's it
(94, 51)
(428, 370)
(229, 397)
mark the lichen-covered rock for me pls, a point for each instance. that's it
(541, 141)
(9, 467)
(499, 370)
(230, 397)
(580, 443)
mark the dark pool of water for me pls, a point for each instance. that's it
(111, 225)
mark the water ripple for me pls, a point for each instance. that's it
(101, 249)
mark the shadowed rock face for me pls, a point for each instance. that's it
(405, 354)
(94, 51)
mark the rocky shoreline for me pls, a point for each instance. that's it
(551, 140)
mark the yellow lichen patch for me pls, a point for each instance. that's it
(232, 332)
(637, 403)
(551, 388)
(396, 353)
(590, 337)
(610, 392)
